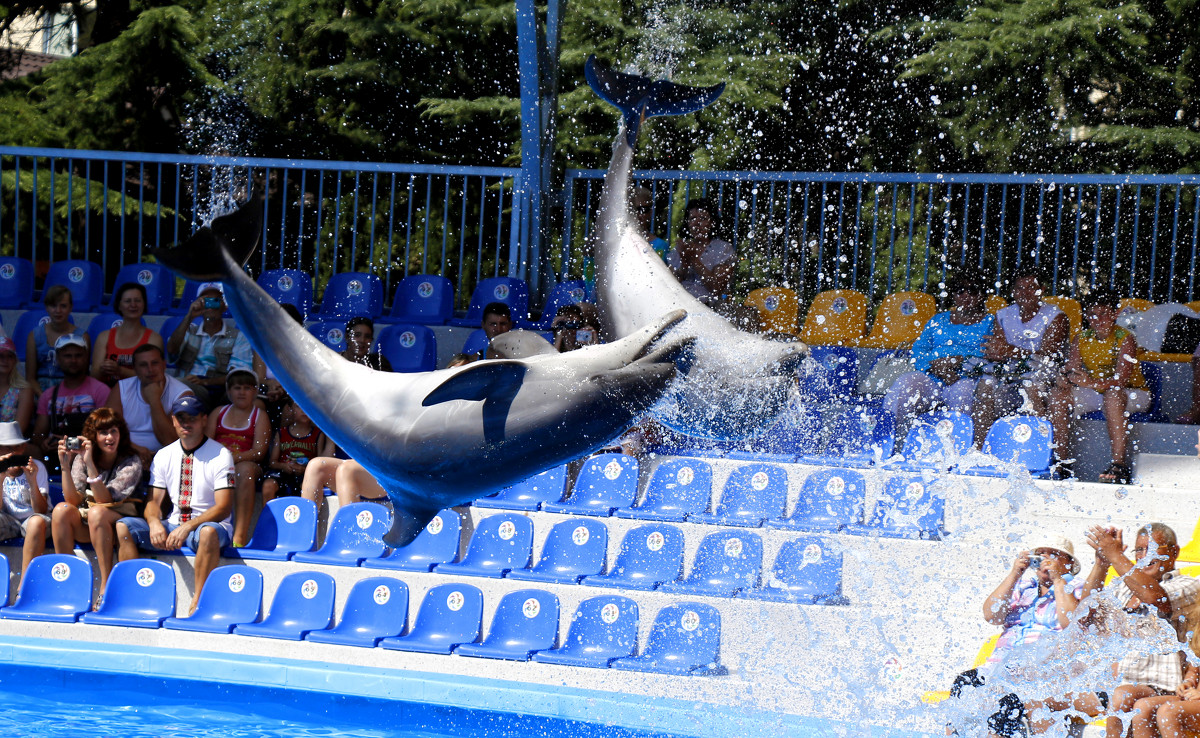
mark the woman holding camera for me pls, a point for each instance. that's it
(112, 360)
(104, 486)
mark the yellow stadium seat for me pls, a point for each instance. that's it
(1136, 304)
(932, 698)
(778, 308)
(994, 303)
(1194, 305)
(1190, 553)
(1071, 307)
(899, 321)
(836, 317)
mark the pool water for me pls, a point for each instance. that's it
(52, 703)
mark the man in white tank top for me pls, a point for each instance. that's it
(1025, 357)
(143, 399)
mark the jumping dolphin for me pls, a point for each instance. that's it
(441, 438)
(738, 382)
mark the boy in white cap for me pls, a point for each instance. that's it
(197, 473)
(205, 353)
(26, 488)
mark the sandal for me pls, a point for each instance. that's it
(1116, 473)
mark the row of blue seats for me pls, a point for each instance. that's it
(727, 564)
(426, 299)
(754, 495)
(685, 638)
(863, 436)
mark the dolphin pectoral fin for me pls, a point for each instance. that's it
(680, 352)
(639, 98)
(201, 256)
(407, 524)
(479, 381)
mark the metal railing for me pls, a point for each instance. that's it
(322, 217)
(880, 233)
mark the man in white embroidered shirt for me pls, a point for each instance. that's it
(197, 473)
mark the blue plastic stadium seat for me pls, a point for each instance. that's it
(830, 500)
(332, 333)
(140, 593)
(102, 322)
(936, 441)
(158, 281)
(906, 509)
(232, 595)
(804, 572)
(604, 483)
(571, 292)
(350, 294)
(376, 608)
(499, 544)
(16, 282)
(753, 493)
(424, 299)
(841, 367)
(289, 287)
(603, 629)
(1024, 440)
(286, 526)
(508, 290)
(685, 639)
(85, 279)
(302, 603)
(858, 437)
(676, 488)
(355, 533)
(525, 621)
(574, 549)
(529, 494)
(7, 574)
(57, 588)
(26, 322)
(726, 563)
(409, 348)
(437, 544)
(476, 342)
(797, 431)
(650, 555)
(450, 615)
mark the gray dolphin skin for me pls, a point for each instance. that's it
(441, 438)
(738, 382)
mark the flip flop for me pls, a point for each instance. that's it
(1116, 473)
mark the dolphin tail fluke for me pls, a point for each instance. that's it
(640, 97)
(201, 256)
(407, 524)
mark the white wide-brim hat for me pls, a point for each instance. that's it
(10, 434)
(1059, 545)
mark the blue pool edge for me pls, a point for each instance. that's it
(552, 704)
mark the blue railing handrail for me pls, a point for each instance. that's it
(257, 162)
(894, 177)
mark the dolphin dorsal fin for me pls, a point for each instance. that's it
(479, 381)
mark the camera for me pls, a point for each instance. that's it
(17, 460)
(585, 335)
(212, 302)
(74, 443)
(1035, 562)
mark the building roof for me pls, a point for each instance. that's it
(16, 63)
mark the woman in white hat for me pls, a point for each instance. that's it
(1036, 597)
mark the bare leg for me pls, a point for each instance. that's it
(1118, 427)
(1123, 700)
(270, 488)
(1086, 703)
(986, 408)
(35, 540)
(1178, 719)
(1061, 407)
(1145, 712)
(66, 525)
(101, 522)
(354, 482)
(1193, 415)
(208, 555)
(319, 474)
(243, 501)
(126, 547)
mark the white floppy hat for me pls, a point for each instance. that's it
(1059, 545)
(10, 434)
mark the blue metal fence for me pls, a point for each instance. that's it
(877, 233)
(880, 233)
(322, 217)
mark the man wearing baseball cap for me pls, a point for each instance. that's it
(1036, 597)
(62, 409)
(197, 473)
(205, 353)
